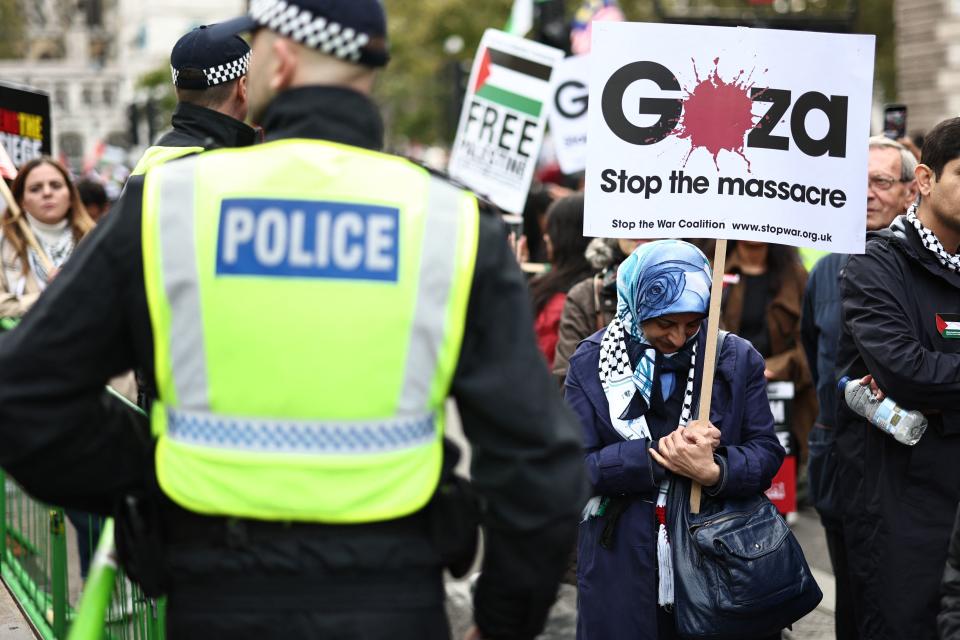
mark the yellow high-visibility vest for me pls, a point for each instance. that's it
(809, 257)
(156, 155)
(308, 302)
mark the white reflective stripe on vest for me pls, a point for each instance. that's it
(179, 263)
(300, 436)
(437, 269)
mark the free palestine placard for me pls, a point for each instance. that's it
(503, 119)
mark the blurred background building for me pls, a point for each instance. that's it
(105, 62)
(928, 60)
(97, 60)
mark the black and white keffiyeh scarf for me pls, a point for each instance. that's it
(930, 241)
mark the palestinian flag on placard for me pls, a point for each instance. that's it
(512, 82)
(948, 324)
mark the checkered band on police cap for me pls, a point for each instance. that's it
(222, 72)
(323, 33)
(208, 56)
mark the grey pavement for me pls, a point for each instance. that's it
(13, 624)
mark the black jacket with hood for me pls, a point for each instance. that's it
(900, 500)
(195, 126)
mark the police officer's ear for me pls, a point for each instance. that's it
(240, 98)
(286, 58)
(242, 90)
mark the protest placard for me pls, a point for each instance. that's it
(503, 118)
(24, 123)
(718, 132)
(568, 112)
(728, 133)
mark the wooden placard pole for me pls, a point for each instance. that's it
(25, 226)
(710, 355)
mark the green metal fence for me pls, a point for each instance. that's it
(35, 566)
(33, 561)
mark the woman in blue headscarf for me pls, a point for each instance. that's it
(634, 386)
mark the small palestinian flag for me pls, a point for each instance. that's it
(948, 324)
(512, 82)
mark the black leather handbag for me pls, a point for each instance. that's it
(738, 570)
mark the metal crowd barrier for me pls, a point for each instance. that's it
(34, 566)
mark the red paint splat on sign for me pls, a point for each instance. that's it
(717, 115)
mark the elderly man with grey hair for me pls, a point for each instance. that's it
(891, 190)
(891, 187)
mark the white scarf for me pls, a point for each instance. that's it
(55, 240)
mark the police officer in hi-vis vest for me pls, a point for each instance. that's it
(306, 306)
(209, 69)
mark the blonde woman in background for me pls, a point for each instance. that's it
(55, 214)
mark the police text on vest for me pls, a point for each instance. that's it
(308, 239)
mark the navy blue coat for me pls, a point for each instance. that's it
(618, 586)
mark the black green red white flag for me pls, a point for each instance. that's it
(948, 325)
(503, 118)
(511, 81)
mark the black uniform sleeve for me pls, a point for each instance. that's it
(527, 453)
(885, 337)
(62, 436)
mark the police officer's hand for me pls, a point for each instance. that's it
(704, 429)
(693, 460)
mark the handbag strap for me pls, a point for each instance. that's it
(721, 336)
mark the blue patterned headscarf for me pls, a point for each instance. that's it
(659, 278)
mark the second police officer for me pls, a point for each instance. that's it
(209, 68)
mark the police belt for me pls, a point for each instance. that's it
(396, 589)
(184, 528)
(333, 588)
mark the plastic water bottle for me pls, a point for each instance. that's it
(906, 427)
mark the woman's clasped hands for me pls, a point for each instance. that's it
(688, 452)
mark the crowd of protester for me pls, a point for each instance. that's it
(887, 510)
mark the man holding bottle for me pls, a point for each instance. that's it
(898, 300)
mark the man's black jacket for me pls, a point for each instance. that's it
(899, 500)
(195, 126)
(70, 444)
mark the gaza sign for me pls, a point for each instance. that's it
(736, 133)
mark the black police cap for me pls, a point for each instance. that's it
(216, 54)
(352, 30)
